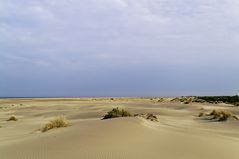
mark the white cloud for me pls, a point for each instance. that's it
(136, 45)
(127, 29)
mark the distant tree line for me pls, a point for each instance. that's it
(225, 99)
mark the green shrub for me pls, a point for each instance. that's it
(116, 112)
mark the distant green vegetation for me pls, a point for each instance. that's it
(116, 112)
(185, 100)
(224, 99)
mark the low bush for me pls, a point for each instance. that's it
(116, 112)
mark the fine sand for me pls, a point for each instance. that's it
(179, 134)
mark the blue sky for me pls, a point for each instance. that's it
(119, 47)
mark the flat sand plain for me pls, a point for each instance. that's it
(179, 134)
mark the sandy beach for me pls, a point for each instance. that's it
(178, 134)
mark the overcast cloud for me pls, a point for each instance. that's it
(119, 47)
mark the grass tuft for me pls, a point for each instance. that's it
(116, 112)
(57, 122)
(222, 115)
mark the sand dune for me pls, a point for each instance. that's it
(179, 134)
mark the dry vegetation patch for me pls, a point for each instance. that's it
(12, 118)
(57, 122)
(219, 115)
(148, 116)
(151, 117)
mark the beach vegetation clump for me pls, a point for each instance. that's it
(221, 115)
(12, 118)
(151, 117)
(116, 112)
(57, 122)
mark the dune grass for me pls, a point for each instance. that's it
(57, 122)
(116, 112)
(218, 115)
(12, 118)
(222, 115)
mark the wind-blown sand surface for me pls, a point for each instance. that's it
(179, 134)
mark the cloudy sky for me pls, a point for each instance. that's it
(119, 47)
